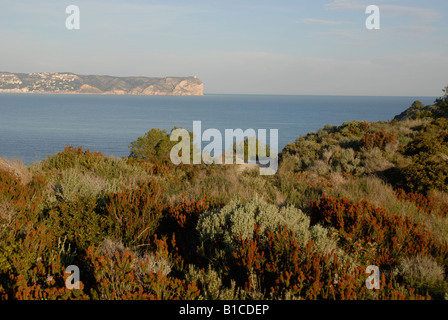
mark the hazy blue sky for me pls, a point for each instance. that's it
(244, 46)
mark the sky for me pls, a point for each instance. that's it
(318, 47)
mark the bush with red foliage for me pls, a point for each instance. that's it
(429, 205)
(34, 271)
(284, 269)
(361, 224)
(123, 276)
(133, 215)
(377, 139)
(26, 199)
(180, 218)
(185, 212)
(31, 267)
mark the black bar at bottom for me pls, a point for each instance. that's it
(264, 309)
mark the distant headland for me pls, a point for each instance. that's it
(70, 83)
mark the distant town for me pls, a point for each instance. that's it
(53, 82)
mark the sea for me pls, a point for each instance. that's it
(34, 126)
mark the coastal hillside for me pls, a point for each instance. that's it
(344, 198)
(50, 82)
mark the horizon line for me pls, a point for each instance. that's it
(320, 95)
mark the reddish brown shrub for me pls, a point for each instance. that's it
(430, 205)
(361, 223)
(26, 199)
(134, 214)
(284, 269)
(32, 264)
(124, 277)
(185, 212)
(180, 218)
(377, 139)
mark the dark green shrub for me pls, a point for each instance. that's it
(425, 145)
(79, 222)
(155, 143)
(156, 146)
(443, 101)
(425, 174)
(71, 157)
(429, 167)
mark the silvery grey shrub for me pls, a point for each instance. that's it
(237, 219)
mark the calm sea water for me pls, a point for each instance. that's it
(35, 125)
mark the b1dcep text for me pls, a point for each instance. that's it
(243, 309)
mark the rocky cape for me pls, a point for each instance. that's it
(69, 83)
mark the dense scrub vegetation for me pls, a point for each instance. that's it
(344, 197)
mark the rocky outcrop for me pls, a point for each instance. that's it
(85, 88)
(189, 88)
(176, 86)
(50, 82)
(417, 110)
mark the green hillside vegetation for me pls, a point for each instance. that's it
(344, 197)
